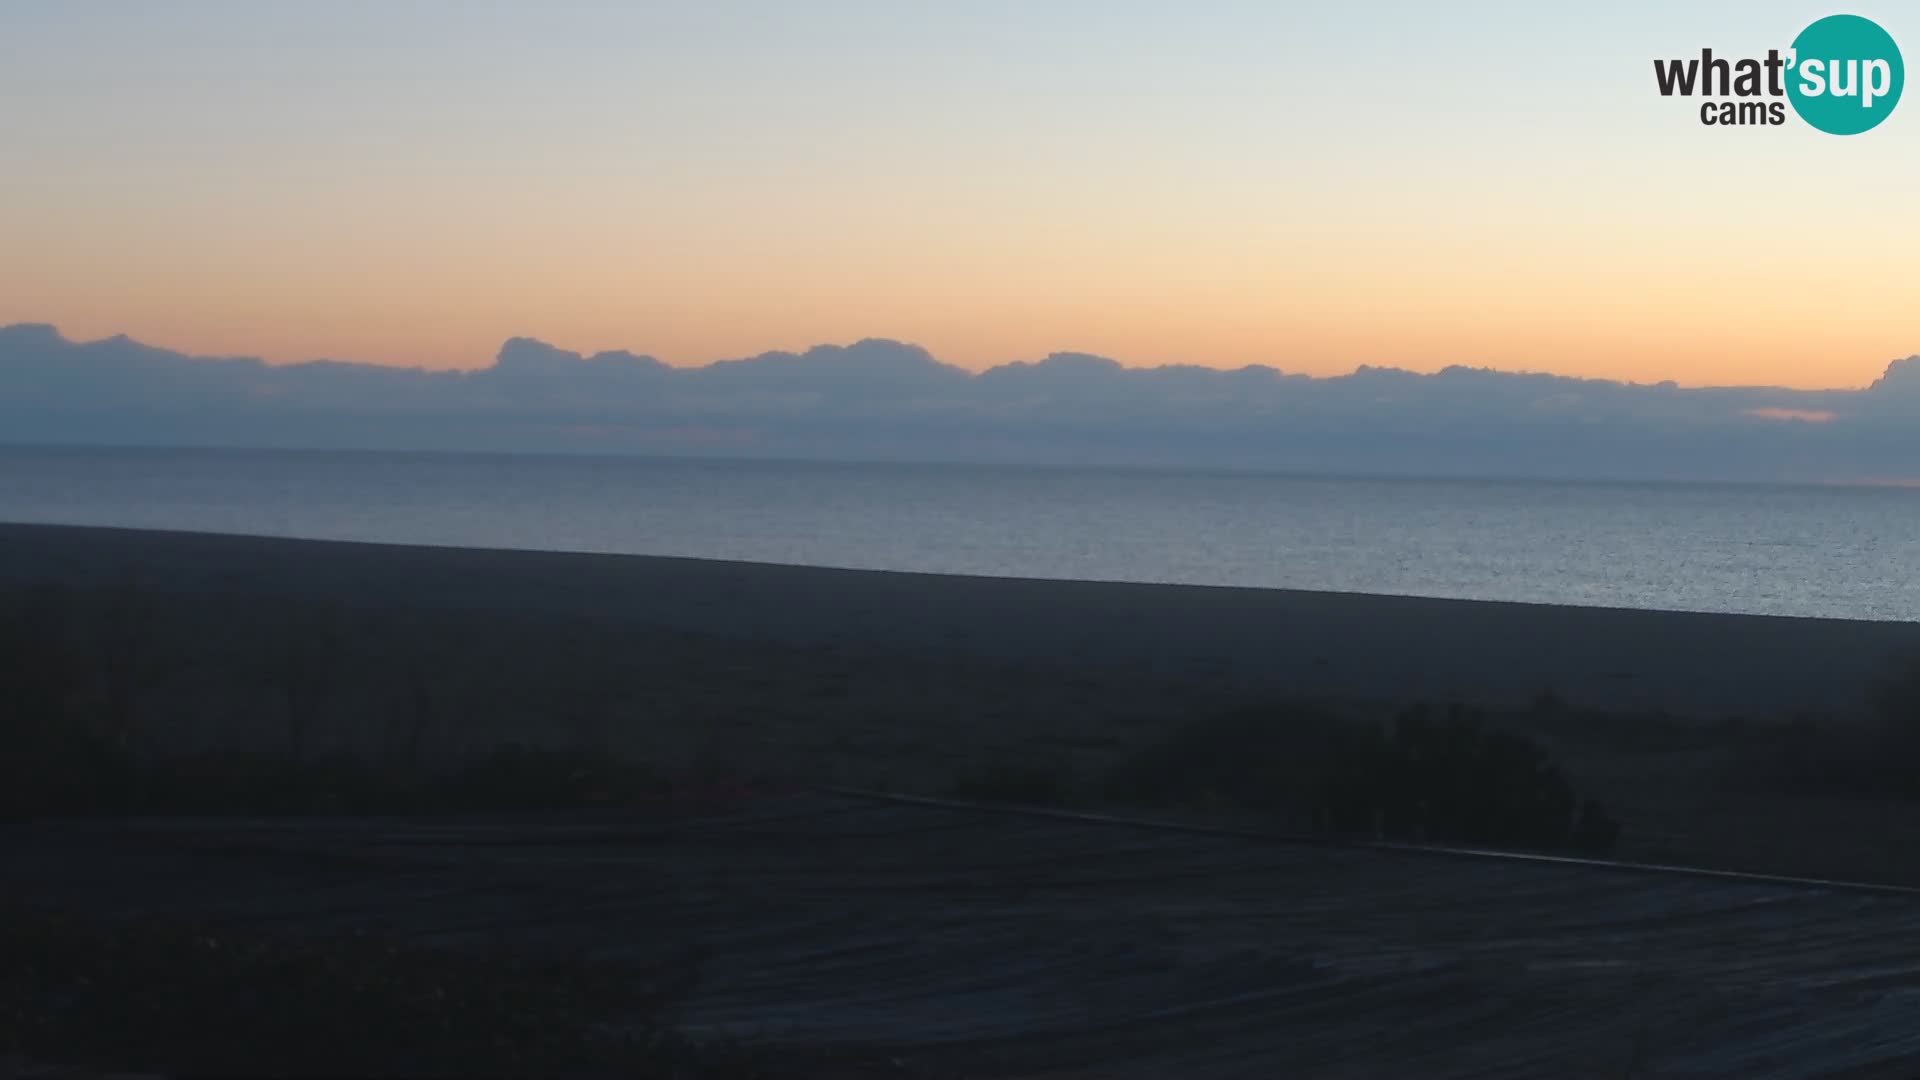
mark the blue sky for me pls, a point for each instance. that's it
(1315, 187)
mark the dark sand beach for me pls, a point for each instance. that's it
(984, 945)
(997, 945)
(905, 682)
(1342, 645)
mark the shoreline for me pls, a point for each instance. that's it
(1358, 646)
(142, 532)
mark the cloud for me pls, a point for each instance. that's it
(1807, 416)
(892, 400)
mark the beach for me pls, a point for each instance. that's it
(990, 945)
(906, 681)
(1212, 639)
(825, 903)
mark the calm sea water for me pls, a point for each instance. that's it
(1851, 552)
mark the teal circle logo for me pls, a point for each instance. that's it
(1846, 75)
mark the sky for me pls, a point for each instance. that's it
(1310, 187)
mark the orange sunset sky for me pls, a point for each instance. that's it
(1219, 184)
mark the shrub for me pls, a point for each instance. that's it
(1446, 777)
(1452, 778)
(1250, 760)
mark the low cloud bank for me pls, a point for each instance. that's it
(893, 401)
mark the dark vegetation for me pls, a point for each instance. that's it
(81, 737)
(1429, 776)
(120, 699)
(74, 774)
(1457, 775)
(100, 690)
(191, 998)
(72, 674)
(69, 718)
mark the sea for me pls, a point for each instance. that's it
(1848, 552)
